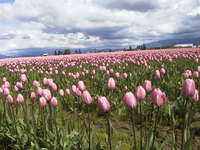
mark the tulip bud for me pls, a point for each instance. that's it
(157, 74)
(189, 88)
(20, 99)
(111, 83)
(147, 85)
(81, 85)
(195, 97)
(140, 92)
(46, 93)
(53, 101)
(158, 97)
(67, 91)
(130, 100)
(33, 95)
(86, 97)
(23, 78)
(42, 102)
(61, 92)
(103, 104)
(9, 99)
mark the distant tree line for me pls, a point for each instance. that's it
(66, 51)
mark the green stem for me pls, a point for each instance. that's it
(155, 125)
(89, 128)
(109, 132)
(141, 137)
(173, 130)
(43, 121)
(184, 124)
(133, 130)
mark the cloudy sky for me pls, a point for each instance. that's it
(94, 23)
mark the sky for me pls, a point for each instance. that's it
(26, 24)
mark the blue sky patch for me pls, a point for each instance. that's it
(7, 1)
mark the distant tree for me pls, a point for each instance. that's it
(67, 51)
(79, 51)
(144, 47)
(55, 52)
(130, 47)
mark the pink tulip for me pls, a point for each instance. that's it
(16, 88)
(45, 81)
(78, 92)
(67, 91)
(158, 97)
(74, 88)
(198, 68)
(117, 74)
(157, 74)
(111, 83)
(61, 92)
(186, 75)
(33, 95)
(42, 102)
(4, 79)
(162, 71)
(6, 84)
(195, 97)
(195, 74)
(6, 91)
(147, 85)
(53, 101)
(103, 104)
(86, 97)
(54, 87)
(23, 78)
(189, 88)
(36, 83)
(20, 99)
(39, 91)
(81, 85)
(125, 75)
(130, 100)
(140, 93)
(19, 85)
(9, 99)
(46, 93)
(1, 90)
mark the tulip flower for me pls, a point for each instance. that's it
(42, 102)
(158, 97)
(130, 100)
(53, 101)
(147, 85)
(86, 97)
(46, 93)
(140, 93)
(157, 74)
(20, 99)
(23, 78)
(33, 95)
(195, 97)
(103, 104)
(81, 85)
(189, 88)
(9, 99)
(111, 83)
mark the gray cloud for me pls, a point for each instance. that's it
(131, 5)
(94, 23)
(7, 36)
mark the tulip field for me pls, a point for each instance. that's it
(127, 100)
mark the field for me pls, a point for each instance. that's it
(136, 100)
